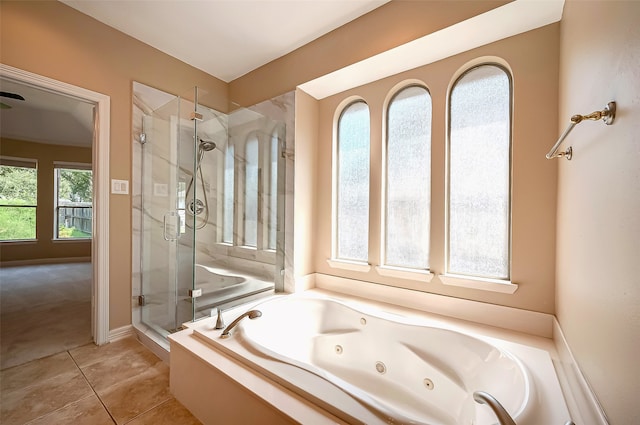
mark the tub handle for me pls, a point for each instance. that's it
(171, 227)
(504, 418)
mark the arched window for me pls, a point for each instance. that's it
(479, 178)
(273, 191)
(229, 194)
(408, 179)
(251, 191)
(351, 184)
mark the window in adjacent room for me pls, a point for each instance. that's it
(351, 184)
(18, 199)
(408, 180)
(479, 155)
(73, 201)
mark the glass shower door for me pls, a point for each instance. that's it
(167, 243)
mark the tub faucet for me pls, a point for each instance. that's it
(252, 314)
(483, 397)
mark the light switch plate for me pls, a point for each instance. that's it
(119, 187)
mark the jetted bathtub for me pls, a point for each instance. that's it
(399, 370)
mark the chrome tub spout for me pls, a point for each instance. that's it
(485, 398)
(251, 314)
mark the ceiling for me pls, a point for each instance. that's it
(229, 38)
(225, 38)
(44, 116)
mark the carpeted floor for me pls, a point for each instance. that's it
(44, 310)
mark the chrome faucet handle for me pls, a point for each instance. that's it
(251, 314)
(219, 321)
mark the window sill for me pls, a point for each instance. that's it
(244, 252)
(20, 241)
(355, 266)
(405, 273)
(67, 240)
(493, 285)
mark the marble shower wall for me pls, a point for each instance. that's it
(156, 174)
(282, 110)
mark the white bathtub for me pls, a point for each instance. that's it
(398, 370)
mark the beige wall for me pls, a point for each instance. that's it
(533, 59)
(305, 189)
(45, 247)
(384, 28)
(598, 243)
(53, 40)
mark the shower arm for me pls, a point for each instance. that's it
(608, 114)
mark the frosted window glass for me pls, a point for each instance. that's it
(273, 193)
(479, 183)
(228, 195)
(251, 193)
(353, 183)
(408, 179)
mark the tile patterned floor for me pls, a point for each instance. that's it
(118, 383)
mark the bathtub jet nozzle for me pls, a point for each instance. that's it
(251, 314)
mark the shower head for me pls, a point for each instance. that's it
(207, 145)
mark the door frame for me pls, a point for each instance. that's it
(100, 160)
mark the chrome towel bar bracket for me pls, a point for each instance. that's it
(608, 115)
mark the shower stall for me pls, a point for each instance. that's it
(208, 194)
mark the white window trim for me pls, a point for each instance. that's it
(483, 284)
(469, 281)
(61, 165)
(72, 165)
(385, 269)
(334, 261)
(355, 266)
(29, 163)
(405, 273)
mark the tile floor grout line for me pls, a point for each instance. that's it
(93, 389)
(147, 411)
(53, 411)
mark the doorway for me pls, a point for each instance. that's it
(100, 160)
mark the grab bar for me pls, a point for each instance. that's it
(504, 418)
(608, 114)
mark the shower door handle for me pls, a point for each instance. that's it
(171, 224)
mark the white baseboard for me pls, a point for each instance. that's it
(525, 321)
(39, 261)
(581, 401)
(122, 332)
(130, 330)
(303, 283)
